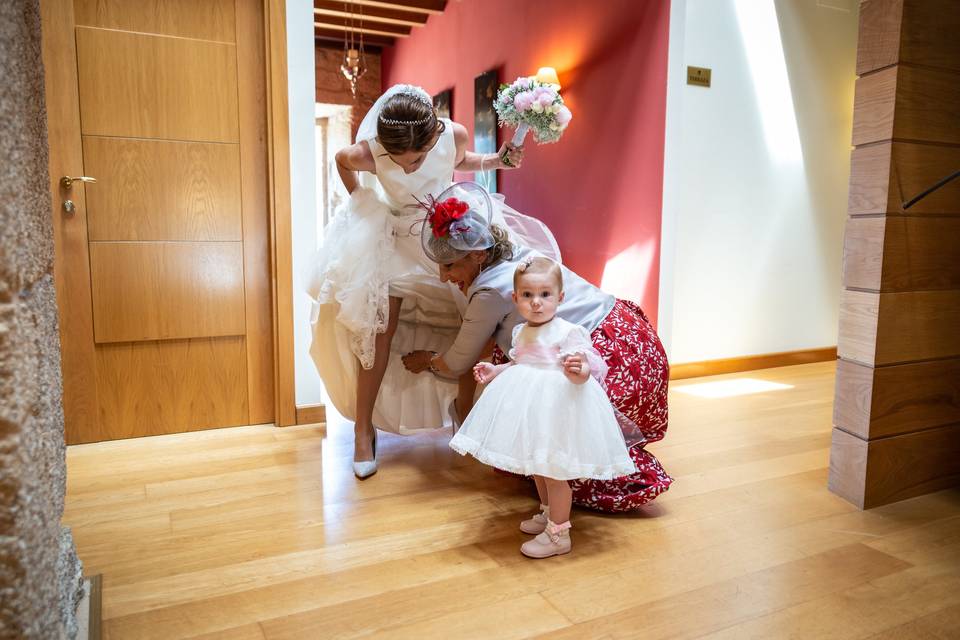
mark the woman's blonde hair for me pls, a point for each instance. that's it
(536, 266)
(502, 248)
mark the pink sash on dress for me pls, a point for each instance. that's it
(537, 354)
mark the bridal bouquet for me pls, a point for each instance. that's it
(529, 104)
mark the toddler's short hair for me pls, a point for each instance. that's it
(537, 265)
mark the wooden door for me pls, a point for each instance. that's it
(163, 267)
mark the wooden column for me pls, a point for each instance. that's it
(897, 408)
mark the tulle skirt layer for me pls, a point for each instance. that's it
(369, 255)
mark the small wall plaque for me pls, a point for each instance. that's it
(699, 76)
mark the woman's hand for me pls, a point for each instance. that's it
(511, 157)
(576, 368)
(417, 361)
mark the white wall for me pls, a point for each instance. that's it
(755, 176)
(303, 187)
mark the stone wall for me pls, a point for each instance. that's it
(333, 88)
(40, 584)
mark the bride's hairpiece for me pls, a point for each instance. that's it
(404, 122)
(419, 95)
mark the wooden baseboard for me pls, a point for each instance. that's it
(311, 413)
(750, 363)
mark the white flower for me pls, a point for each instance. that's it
(554, 126)
(536, 107)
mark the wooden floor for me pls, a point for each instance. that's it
(259, 532)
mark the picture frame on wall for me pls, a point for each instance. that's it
(485, 88)
(443, 103)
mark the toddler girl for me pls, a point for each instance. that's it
(544, 413)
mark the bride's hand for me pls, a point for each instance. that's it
(511, 157)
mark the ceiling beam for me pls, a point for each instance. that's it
(334, 35)
(332, 8)
(418, 6)
(389, 30)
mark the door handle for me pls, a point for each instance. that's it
(66, 181)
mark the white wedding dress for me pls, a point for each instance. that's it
(372, 251)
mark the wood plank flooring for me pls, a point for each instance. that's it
(263, 533)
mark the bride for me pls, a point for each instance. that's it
(375, 291)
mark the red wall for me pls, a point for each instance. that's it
(599, 189)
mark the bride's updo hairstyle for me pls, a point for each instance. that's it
(407, 122)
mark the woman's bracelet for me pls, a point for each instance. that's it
(483, 158)
(433, 367)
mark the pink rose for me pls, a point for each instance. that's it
(523, 101)
(564, 116)
(541, 91)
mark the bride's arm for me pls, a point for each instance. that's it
(350, 160)
(470, 161)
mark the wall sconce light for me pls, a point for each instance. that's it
(548, 75)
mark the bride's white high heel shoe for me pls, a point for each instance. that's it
(365, 468)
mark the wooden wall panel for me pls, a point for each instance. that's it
(885, 175)
(873, 106)
(897, 407)
(151, 388)
(879, 34)
(863, 253)
(853, 398)
(857, 339)
(902, 253)
(891, 328)
(886, 401)
(910, 31)
(928, 101)
(161, 190)
(155, 291)
(869, 191)
(929, 33)
(870, 473)
(918, 325)
(912, 464)
(156, 87)
(906, 103)
(256, 218)
(203, 19)
(848, 467)
(921, 254)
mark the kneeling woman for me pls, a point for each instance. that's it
(476, 255)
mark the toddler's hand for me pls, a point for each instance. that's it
(576, 368)
(483, 372)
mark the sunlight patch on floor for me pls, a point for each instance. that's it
(730, 388)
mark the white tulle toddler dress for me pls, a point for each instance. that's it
(532, 420)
